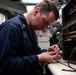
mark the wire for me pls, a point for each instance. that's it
(70, 58)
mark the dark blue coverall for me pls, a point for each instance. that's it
(18, 48)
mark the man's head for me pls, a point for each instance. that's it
(43, 14)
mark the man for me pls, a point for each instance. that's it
(19, 50)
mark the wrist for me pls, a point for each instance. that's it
(39, 58)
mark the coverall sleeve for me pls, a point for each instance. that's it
(10, 62)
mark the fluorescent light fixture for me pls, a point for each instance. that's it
(31, 1)
(30, 7)
(2, 18)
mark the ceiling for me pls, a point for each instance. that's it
(12, 7)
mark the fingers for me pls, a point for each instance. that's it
(52, 53)
(59, 56)
(60, 52)
(54, 47)
(57, 50)
(56, 54)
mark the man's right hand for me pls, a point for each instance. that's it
(48, 57)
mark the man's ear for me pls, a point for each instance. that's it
(36, 11)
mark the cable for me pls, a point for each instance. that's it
(70, 58)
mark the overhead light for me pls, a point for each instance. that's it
(30, 7)
(31, 1)
(2, 18)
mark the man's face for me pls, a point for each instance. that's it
(40, 22)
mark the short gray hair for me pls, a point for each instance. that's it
(48, 6)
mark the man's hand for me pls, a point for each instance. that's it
(53, 48)
(48, 57)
